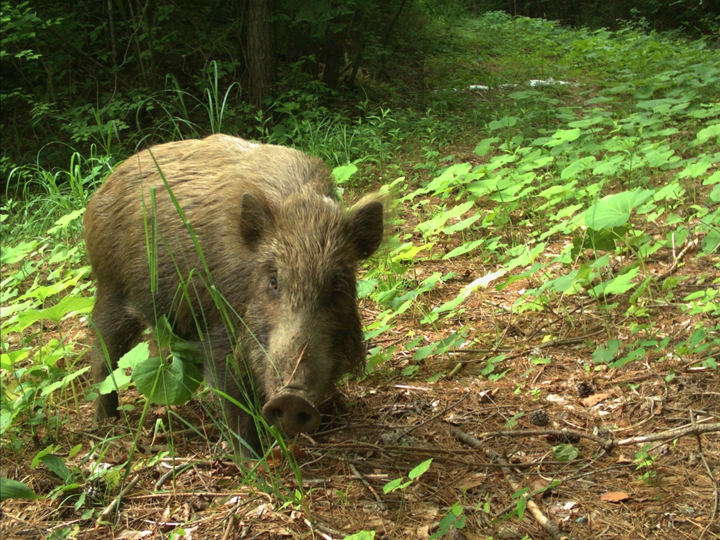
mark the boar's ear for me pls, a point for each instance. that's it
(254, 218)
(366, 226)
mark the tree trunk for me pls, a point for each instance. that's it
(334, 57)
(260, 52)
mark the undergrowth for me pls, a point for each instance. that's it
(573, 164)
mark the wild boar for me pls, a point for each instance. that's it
(259, 226)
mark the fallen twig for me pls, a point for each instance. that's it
(325, 529)
(676, 433)
(438, 415)
(177, 471)
(109, 509)
(676, 260)
(231, 524)
(713, 517)
(547, 524)
(369, 487)
(560, 433)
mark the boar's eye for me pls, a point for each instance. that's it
(273, 283)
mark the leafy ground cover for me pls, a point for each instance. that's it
(543, 326)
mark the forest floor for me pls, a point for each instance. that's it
(487, 441)
(532, 434)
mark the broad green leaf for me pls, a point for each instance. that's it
(697, 169)
(500, 161)
(394, 485)
(343, 173)
(565, 452)
(525, 258)
(6, 417)
(120, 379)
(9, 359)
(12, 489)
(715, 194)
(12, 255)
(714, 178)
(660, 156)
(530, 164)
(361, 535)
(614, 210)
(409, 251)
(462, 225)
(366, 286)
(711, 241)
(68, 304)
(42, 453)
(671, 191)
(708, 133)
(64, 381)
(610, 166)
(170, 382)
(57, 465)
(587, 122)
(431, 226)
(64, 221)
(459, 210)
(636, 354)
(456, 339)
(577, 166)
(45, 291)
(450, 177)
(563, 135)
(419, 470)
(504, 122)
(462, 249)
(617, 285)
(606, 353)
(567, 284)
(484, 146)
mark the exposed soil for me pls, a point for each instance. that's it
(487, 440)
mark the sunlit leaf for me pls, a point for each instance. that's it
(14, 254)
(614, 210)
(420, 469)
(68, 304)
(343, 173)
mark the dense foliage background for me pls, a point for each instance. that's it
(122, 73)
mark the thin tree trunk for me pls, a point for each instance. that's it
(48, 72)
(260, 52)
(386, 37)
(136, 27)
(333, 58)
(111, 26)
(113, 44)
(150, 43)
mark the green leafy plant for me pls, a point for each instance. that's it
(415, 473)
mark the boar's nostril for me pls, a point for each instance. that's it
(291, 413)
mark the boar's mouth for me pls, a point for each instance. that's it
(291, 412)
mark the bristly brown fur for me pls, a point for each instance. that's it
(275, 243)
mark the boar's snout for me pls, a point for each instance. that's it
(291, 413)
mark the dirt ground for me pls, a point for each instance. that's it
(487, 441)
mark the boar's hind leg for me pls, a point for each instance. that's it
(117, 331)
